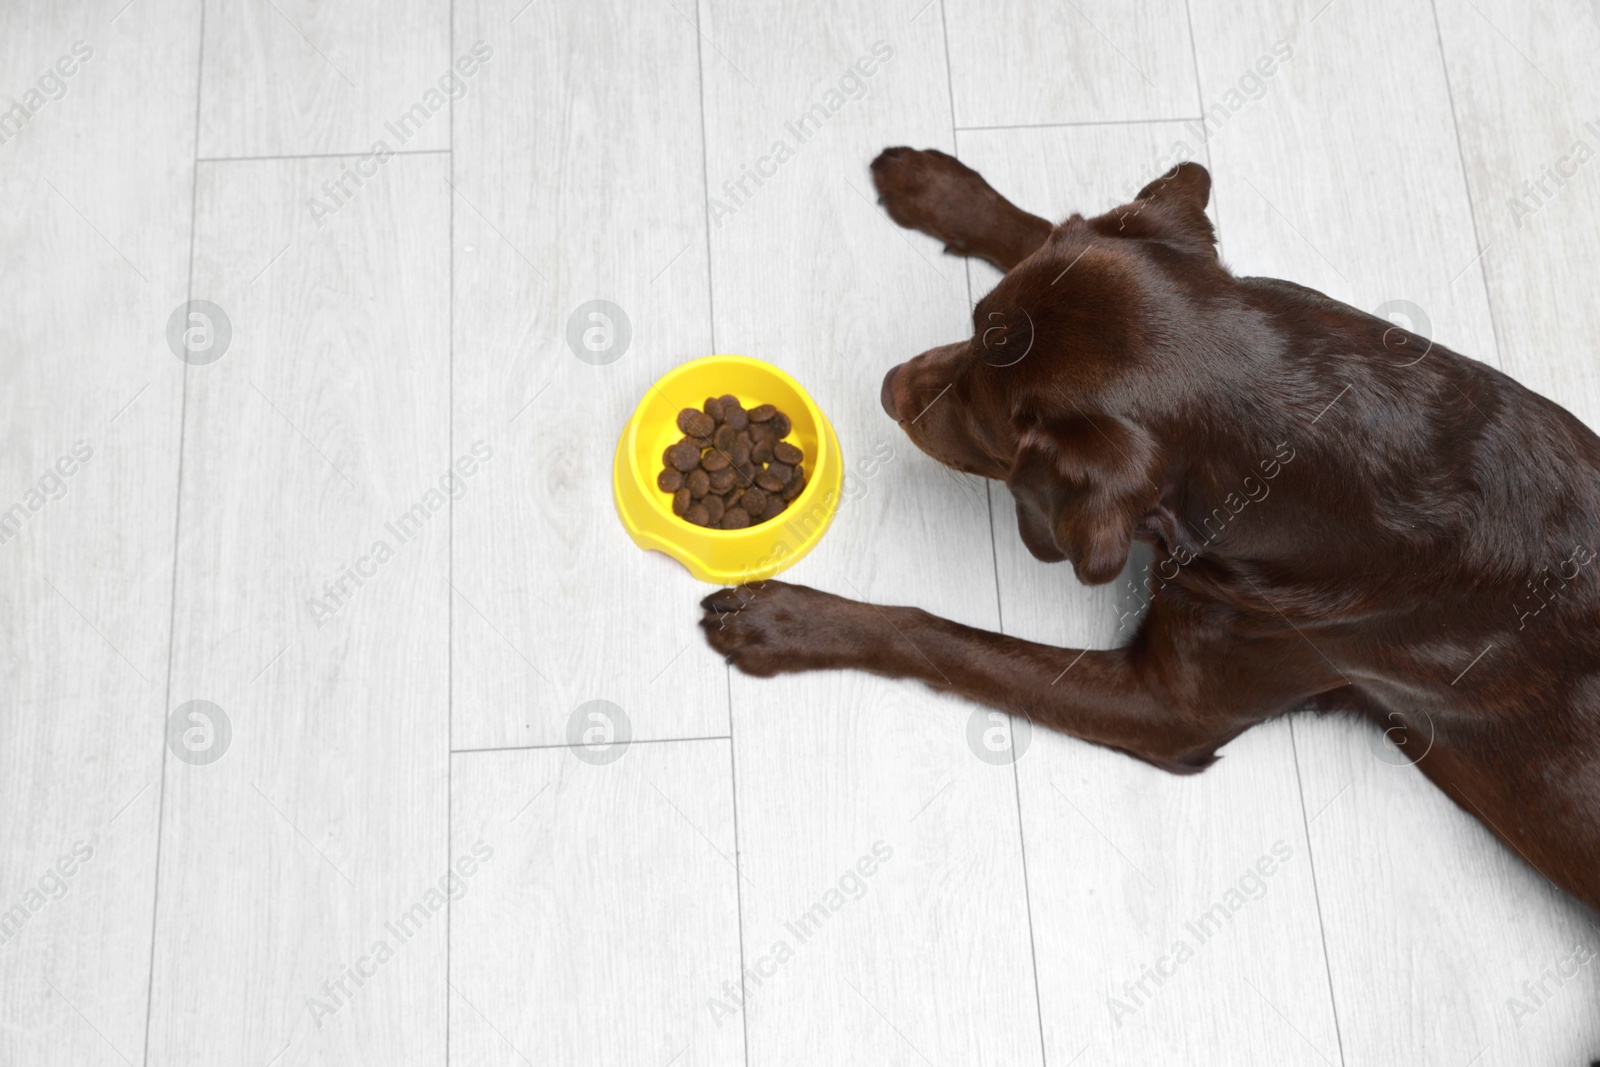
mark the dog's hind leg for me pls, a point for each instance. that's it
(1534, 789)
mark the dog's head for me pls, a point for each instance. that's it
(1054, 392)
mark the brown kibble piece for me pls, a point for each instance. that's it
(685, 455)
(734, 415)
(747, 474)
(713, 408)
(781, 471)
(770, 482)
(735, 519)
(670, 480)
(732, 499)
(775, 507)
(784, 452)
(715, 460)
(698, 515)
(680, 501)
(724, 437)
(762, 453)
(797, 483)
(715, 509)
(762, 412)
(780, 425)
(754, 501)
(695, 423)
(698, 483)
(722, 480)
(740, 454)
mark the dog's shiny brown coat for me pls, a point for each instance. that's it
(1343, 515)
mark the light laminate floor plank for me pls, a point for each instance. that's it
(95, 200)
(571, 189)
(606, 914)
(312, 608)
(295, 77)
(1014, 62)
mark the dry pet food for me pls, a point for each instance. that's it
(732, 468)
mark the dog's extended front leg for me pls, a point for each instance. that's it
(1171, 699)
(944, 198)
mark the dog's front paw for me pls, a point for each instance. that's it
(935, 193)
(775, 628)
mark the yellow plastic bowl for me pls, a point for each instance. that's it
(725, 557)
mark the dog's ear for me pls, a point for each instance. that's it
(1187, 183)
(1172, 209)
(1081, 487)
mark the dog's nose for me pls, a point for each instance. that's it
(887, 393)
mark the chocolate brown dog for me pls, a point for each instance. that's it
(1426, 557)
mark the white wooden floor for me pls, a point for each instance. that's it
(372, 527)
